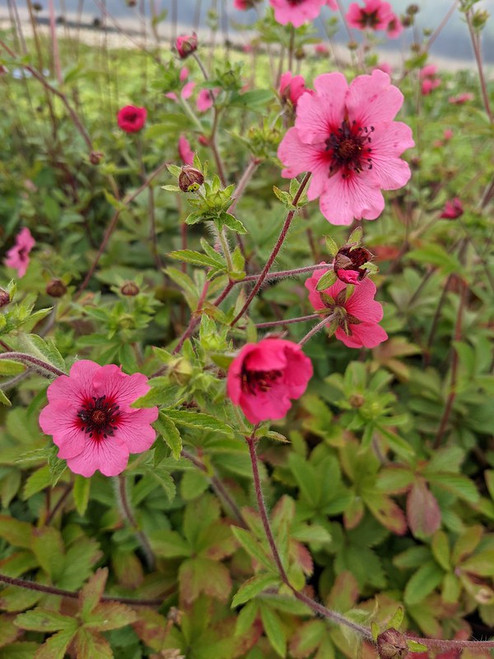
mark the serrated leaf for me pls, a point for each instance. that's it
(252, 546)
(37, 481)
(331, 245)
(92, 592)
(55, 647)
(198, 420)
(80, 492)
(230, 221)
(110, 615)
(15, 532)
(170, 433)
(203, 575)
(174, 170)
(165, 481)
(169, 544)
(253, 587)
(423, 582)
(415, 646)
(274, 630)
(423, 512)
(197, 258)
(40, 620)
(47, 545)
(89, 645)
(355, 238)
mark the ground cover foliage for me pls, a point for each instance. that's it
(356, 522)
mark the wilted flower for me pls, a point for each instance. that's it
(18, 255)
(348, 262)
(391, 644)
(394, 27)
(190, 179)
(461, 98)
(452, 209)
(356, 316)
(345, 135)
(131, 119)
(186, 44)
(90, 417)
(264, 376)
(296, 12)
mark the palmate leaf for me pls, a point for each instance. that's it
(203, 575)
(55, 647)
(110, 615)
(254, 586)
(170, 433)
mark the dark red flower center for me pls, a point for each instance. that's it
(295, 3)
(349, 148)
(132, 117)
(98, 417)
(255, 382)
(369, 18)
(339, 314)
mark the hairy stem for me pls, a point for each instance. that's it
(29, 360)
(274, 253)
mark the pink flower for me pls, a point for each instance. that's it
(394, 28)
(243, 5)
(186, 44)
(264, 376)
(374, 14)
(296, 12)
(461, 98)
(131, 119)
(345, 135)
(185, 151)
(452, 209)
(429, 78)
(18, 256)
(448, 134)
(357, 317)
(292, 87)
(321, 49)
(332, 4)
(187, 89)
(384, 66)
(206, 98)
(90, 417)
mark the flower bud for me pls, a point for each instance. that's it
(356, 400)
(95, 157)
(391, 644)
(299, 53)
(348, 264)
(37, 6)
(413, 9)
(180, 371)
(190, 179)
(56, 288)
(186, 44)
(479, 19)
(4, 298)
(130, 289)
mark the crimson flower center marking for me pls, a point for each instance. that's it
(99, 417)
(295, 3)
(349, 148)
(259, 381)
(370, 19)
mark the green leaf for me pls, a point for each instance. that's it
(165, 480)
(56, 646)
(198, 420)
(203, 575)
(355, 238)
(252, 546)
(90, 645)
(15, 532)
(327, 280)
(415, 646)
(254, 586)
(274, 629)
(423, 582)
(92, 592)
(331, 245)
(169, 544)
(4, 400)
(37, 481)
(10, 367)
(169, 431)
(47, 545)
(197, 258)
(228, 220)
(110, 615)
(80, 492)
(256, 99)
(39, 620)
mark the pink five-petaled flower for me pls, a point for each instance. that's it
(90, 417)
(296, 12)
(452, 209)
(374, 14)
(185, 151)
(292, 87)
(264, 376)
(131, 119)
(356, 318)
(18, 256)
(345, 135)
(186, 44)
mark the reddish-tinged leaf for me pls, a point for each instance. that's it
(90, 645)
(344, 593)
(91, 592)
(128, 569)
(8, 631)
(15, 532)
(386, 511)
(353, 513)
(150, 626)
(307, 638)
(202, 575)
(47, 545)
(216, 541)
(55, 647)
(466, 543)
(110, 615)
(302, 557)
(44, 621)
(423, 512)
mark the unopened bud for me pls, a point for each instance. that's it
(180, 371)
(4, 298)
(299, 53)
(56, 288)
(413, 9)
(391, 644)
(95, 157)
(352, 45)
(190, 179)
(37, 6)
(356, 400)
(186, 44)
(406, 21)
(130, 289)
(479, 19)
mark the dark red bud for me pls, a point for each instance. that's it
(4, 298)
(130, 289)
(190, 179)
(391, 644)
(56, 288)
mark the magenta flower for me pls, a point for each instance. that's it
(292, 87)
(264, 376)
(345, 135)
(18, 256)
(185, 151)
(452, 209)
(321, 49)
(296, 12)
(394, 28)
(186, 44)
(430, 80)
(131, 119)
(332, 4)
(90, 417)
(375, 15)
(206, 98)
(243, 5)
(356, 318)
(461, 98)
